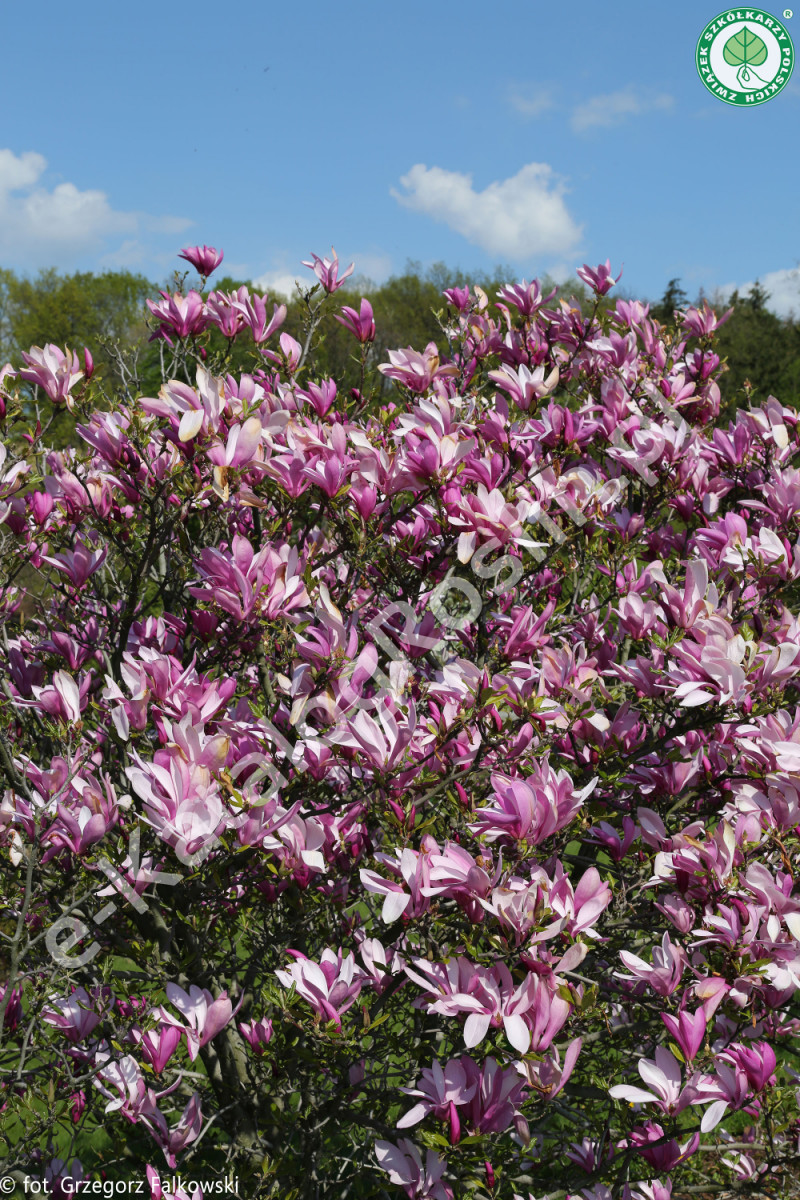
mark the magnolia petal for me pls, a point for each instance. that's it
(191, 424)
(517, 1033)
(713, 1115)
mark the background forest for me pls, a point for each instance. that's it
(106, 313)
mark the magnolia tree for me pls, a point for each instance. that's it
(401, 788)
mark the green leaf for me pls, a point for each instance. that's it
(379, 1020)
(745, 48)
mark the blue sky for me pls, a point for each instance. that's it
(538, 137)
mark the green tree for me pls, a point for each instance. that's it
(83, 309)
(674, 297)
(102, 313)
(761, 350)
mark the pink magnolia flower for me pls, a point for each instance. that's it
(330, 986)
(327, 271)
(587, 1154)
(599, 278)
(414, 868)
(662, 1152)
(427, 456)
(657, 1190)
(531, 1013)
(708, 665)
(527, 297)
(330, 470)
(172, 1141)
(403, 1164)
(241, 447)
(320, 395)
(204, 259)
(488, 515)
(524, 910)
(617, 844)
(291, 352)
(243, 582)
(664, 976)
(698, 599)
(158, 1045)
(182, 316)
(53, 370)
(665, 1081)
(700, 323)
(739, 1071)
(78, 564)
(457, 873)
(224, 313)
(688, 1029)
(257, 1034)
(458, 297)
(181, 800)
(121, 1080)
(158, 1192)
(63, 1179)
(361, 324)
(256, 319)
(525, 387)
(497, 1097)
(441, 1090)
(189, 410)
(379, 965)
(711, 991)
(11, 481)
(74, 1015)
(531, 808)
(550, 1076)
(728, 1087)
(77, 831)
(416, 370)
(678, 912)
(13, 1013)
(64, 699)
(744, 1167)
(581, 907)
(381, 745)
(757, 1060)
(205, 1016)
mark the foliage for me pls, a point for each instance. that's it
(761, 351)
(401, 786)
(103, 312)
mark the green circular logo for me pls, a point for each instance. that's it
(745, 56)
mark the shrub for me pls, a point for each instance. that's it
(402, 787)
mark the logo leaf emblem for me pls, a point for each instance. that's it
(744, 49)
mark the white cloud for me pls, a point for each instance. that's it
(43, 226)
(281, 283)
(376, 267)
(529, 101)
(22, 172)
(129, 255)
(783, 287)
(514, 218)
(613, 109)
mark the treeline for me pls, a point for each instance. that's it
(107, 313)
(761, 350)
